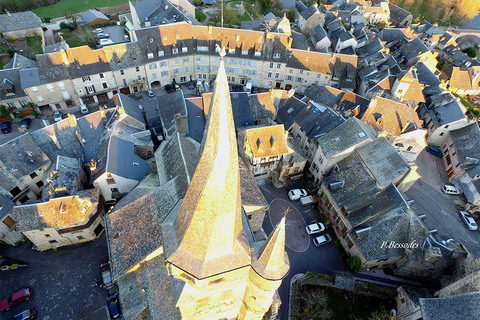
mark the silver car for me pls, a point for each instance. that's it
(316, 227)
(468, 220)
(321, 240)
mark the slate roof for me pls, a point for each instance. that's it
(10, 78)
(370, 48)
(463, 306)
(134, 231)
(413, 49)
(252, 196)
(288, 110)
(318, 33)
(131, 107)
(300, 6)
(170, 105)
(64, 131)
(92, 127)
(307, 14)
(317, 120)
(256, 24)
(177, 159)
(19, 157)
(397, 14)
(463, 141)
(395, 34)
(264, 105)
(426, 77)
(383, 161)
(5, 205)
(19, 21)
(346, 135)
(445, 109)
(91, 15)
(29, 78)
(59, 212)
(196, 118)
(390, 116)
(19, 61)
(158, 12)
(299, 41)
(122, 161)
(63, 173)
(242, 115)
(324, 95)
(352, 104)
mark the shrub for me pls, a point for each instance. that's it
(18, 115)
(471, 52)
(354, 263)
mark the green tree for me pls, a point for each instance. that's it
(354, 263)
(230, 16)
(4, 111)
(265, 4)
(471, 52)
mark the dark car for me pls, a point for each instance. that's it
(25, 315)
(435, 151)
(25, 123)
(6, 127)
(15, 299)
(169, 88)
(191, 84)
(113, 307)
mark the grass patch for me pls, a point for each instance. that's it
(200, 16)
(474, 108)
(76, 43)
(312, 275)
(34, 46)
(58, 9)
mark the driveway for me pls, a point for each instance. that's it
(62, 281)
(324, 259)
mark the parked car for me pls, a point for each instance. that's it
(126, 37)
(468, 220)
(321, 240)
(448, 189)
(104, 42)
(83, 109)
(103, 35)
(6, 127)
(113, 307)
(191, 84)
(15, 298)
(169, 88)
(435, 151)
(106, 274)
(315, 227)
(26, 315)
(98, 30)
(296, 194)
(150, 93)
(25, 123)
(57, 116)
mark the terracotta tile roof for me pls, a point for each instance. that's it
(465, 79)
(390, 116)
(267, 141)
(319, 62)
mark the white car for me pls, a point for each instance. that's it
(296, 194)
(316, 227)
(57, 116)
(321, 240)
(83, 109)
(448, 189)
(105, 42)
(468, 220)
(98, 30)
(150, 93)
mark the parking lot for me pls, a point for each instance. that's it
(324, 259)
(440, 210)
(62, 281)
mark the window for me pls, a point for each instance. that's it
(39, 183)
(40, 99)
(122, 72)
(289, 77)
(53, 241)
(162, 64)
(161, 53)
(61, 86)
(79, 237)
(257, 54)
(183, 79)
(150, 55)
(276, 55)
(269, 75)
(104, 85)
(184, 49)
(176, 71)
(101, 76)
(50, 88)
(90, 89)
(33, 175)
(301, 71)
(34, 89)
(137, 69)
(124, 82)
(23, 103)
(186, 69)
(279, 65)
(24, 199)
(298, 79)
(8, 221)
(152, 66)
(271, 64)
(184, 60)
(11, 105)
(164, 73)
(110, 180)
(86, 78)
(164, 37)
(175, 50)
(202, 48)
(244, 52)
(277, 75)
(231, 51)
(47, 235)
(139, 77)
(154, 75)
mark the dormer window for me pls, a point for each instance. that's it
(202, 48)
(165, 38)
(184, 49)
(161, 53)
(276, 56)
(231, 51)
(244, 52)
(257, 54)
(150, 55)
(175, 50)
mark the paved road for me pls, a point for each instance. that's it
(440, 209)
(62, 281)
(325, 259)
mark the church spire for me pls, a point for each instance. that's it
(273, 262)
(209, 221)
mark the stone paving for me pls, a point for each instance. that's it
(62, 281)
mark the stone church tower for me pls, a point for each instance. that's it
(223, 274)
